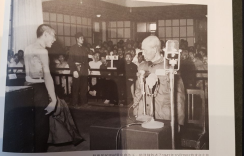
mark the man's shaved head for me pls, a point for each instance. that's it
(42, 28)
(152, 42)
(151, 47)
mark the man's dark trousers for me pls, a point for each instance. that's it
(79, 90)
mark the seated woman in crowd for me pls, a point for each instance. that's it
(95, 64)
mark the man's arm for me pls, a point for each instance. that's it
(43, 54)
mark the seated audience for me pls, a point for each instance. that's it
(14, 62)
(21, 57)
(62, 63)
(93, 88)
(140, 59)
(130, 76)
(108, 86)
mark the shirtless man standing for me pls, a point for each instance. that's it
(38, 76)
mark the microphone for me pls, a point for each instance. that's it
(151, 80)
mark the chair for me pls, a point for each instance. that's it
(194, 135)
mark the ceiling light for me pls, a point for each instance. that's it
(98, 15)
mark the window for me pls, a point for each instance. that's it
(177, 29)
(119, 30)
(146, 26)
(66, 26)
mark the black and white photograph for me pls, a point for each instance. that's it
(87, 75)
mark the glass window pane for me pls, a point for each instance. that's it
(54, 26)
(73, 41)
(84, 21)
(67, 41)
(60, 29)
(60, 39)
(168, 38)
(175, 22)
(78, 20)
(113, 24)
(161, 32)
(84, 31)
(96, 27)
(53, 17)
(127, 32)
(79, 28)
(168, 31)
(176, 31)
(44, 22)
(189, 21)
(60, 18)
(120, 24)
(160, 22)
(141, 27)
(66, 18)
(67, 29)
(190, 31)
(120, 33)
(73, 29)
(45, 16)
(113, 33)
(73, 19)
(89, 32)
(190, 41)
(182, 21)
(127, 24)
(89, 21)
(168, 22)
(177, 39)
(109, 33)
(182, 31)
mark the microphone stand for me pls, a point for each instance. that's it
(152, 124)
(172, 61)
(143, 117)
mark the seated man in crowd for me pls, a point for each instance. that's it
(130, 77)
(93, 88)
(187, 68)
(62, 63)
(14, 62)
(140, 59)
(108, 86)
(21, 57)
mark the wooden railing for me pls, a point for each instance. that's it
(114, 75)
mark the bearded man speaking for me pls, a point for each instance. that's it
(154, 64)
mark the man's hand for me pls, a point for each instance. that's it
(50, 107)
(75, 74)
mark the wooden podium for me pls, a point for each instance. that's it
(103, 136)
(18, 130)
